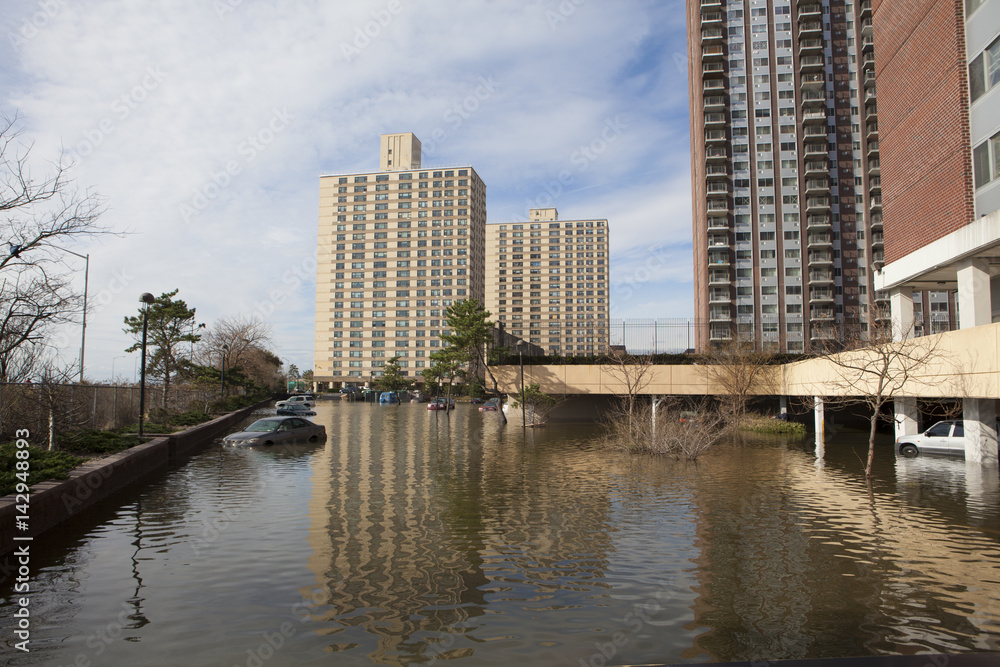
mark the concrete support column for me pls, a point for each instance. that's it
(980, 417)
(783, 407)
(906, 416)
(901, 306)
(974, 300)
(656, 404)
(819, 419)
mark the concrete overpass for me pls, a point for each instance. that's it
(963, 364)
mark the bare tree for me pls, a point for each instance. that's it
(683, 430)
(739, 371)
(875, 367)
(632, 375)
(239, 333)
(40, 214)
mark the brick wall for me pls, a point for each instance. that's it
(923, 117)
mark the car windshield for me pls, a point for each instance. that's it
(263, 425)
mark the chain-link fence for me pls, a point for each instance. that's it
(655, 336)
(60, 408)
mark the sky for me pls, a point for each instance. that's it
(206, 124)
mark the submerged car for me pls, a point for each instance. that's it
(490, 406)
(277, 430)
(388, 397)
(945, 437)
(441, 404)
(295, 409)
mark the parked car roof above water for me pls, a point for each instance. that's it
(277, 430)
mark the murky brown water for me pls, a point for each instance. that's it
(409, 537)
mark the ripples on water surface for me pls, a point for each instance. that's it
(409, 537)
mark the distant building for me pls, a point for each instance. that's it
(396, 248)
(548, 282)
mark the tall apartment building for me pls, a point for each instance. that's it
(396, 248)
(548, 282)
(786, 176)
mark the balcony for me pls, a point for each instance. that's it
(875, 185)
(716, 153)
(812, 80)
(814, 98)
(716, 206)
(811, 46)
(821, 314)
(717, 188)
(714, 85)
(718, 257)
(821, 276)
(717, 171)
(868, 61)
(877, 239)
(714, 52)
(711, 5)
(822, 332)
(876, 223)
(715, 136)
(719, 296)
(814, 131)
(817, 185)
(819, 240)
(810, 28)
(872, 129)
(718, 277)
(870, 94)
(878, 258)
(817, 222)
(711, 35)
(874, 166)
(872, 149)
(717, 314)
(810, 63)
(866, 8)
(868, 77)
(817, 167)
(817, 204)
(713, 68)
(711, 18)
(820, 257)
(718, 222)
(866, 27)
(820, 295)
(810, 12)
(814, 116)
(876, 201)
(814, 149)
(715, 101)
(867, 43)
(718, 240)
(721, 333)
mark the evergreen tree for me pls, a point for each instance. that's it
(168, 326)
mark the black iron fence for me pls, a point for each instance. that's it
(655, 336)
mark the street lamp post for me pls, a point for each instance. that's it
(520, 355)
(146, 299)
(225, 349)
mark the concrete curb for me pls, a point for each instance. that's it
(51, 503)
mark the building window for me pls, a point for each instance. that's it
(986, 161)
(984, 71)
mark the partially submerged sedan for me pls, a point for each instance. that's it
(277, 430)
(946, 437)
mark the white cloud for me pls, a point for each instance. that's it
(173, 105)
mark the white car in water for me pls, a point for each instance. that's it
(946, 437)
(297, 400)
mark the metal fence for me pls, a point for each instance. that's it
(655, 336)
(62, 408)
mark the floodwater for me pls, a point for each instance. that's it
(409, 537)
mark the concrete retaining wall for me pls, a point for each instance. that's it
(51, 503)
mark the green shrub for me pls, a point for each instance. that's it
(763, 424)
(43, 465)
(190, 418)
(98, 442)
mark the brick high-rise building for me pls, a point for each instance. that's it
(938, 76)
(786, 174)
(548, 282)
(396, 248)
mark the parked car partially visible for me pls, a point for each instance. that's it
(945, 437)
(277, 430)
(491, 405)
(441, 404)
(388, 397)
(295, 409)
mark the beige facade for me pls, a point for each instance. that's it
(548, 282)
(396, 248)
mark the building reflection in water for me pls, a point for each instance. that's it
(800, 561)
(422, 523)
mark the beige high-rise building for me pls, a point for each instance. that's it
(396, 248)
(548, 282)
